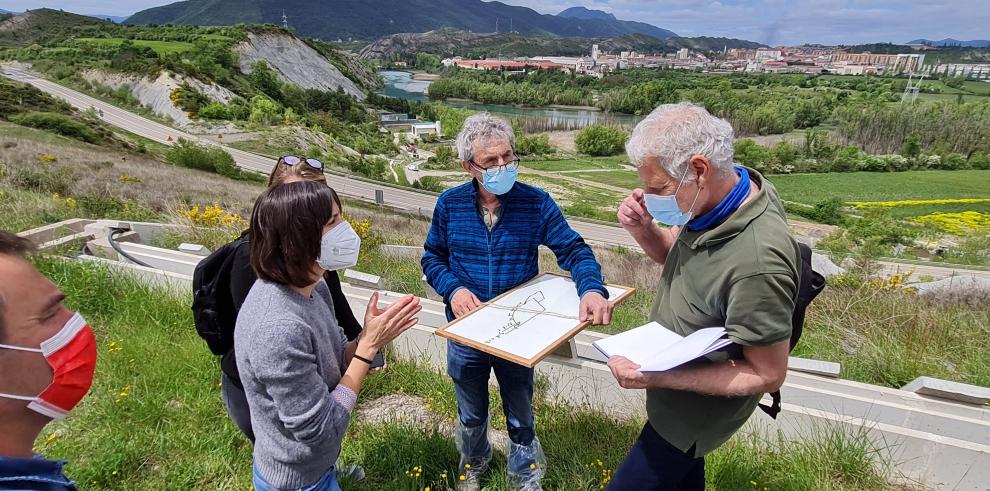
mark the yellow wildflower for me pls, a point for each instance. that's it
(957, 223)
(915, 202)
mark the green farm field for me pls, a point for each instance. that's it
(160, 47)
(861, 186)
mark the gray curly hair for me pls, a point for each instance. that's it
(483, 127)
(673, 133)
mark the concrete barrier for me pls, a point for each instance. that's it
(941, 444)
(404, 251)
(58, 234)
(945, 389)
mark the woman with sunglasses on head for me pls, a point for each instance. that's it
(300, 374)
(288, 169)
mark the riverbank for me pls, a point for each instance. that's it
(425, 77)
(405, 85)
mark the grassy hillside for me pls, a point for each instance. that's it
(39, 24)
(27, 106)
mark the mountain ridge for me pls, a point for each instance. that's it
(974, 43)
(585, 13)
(481, 45)
(364, 19)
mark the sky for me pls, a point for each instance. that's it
(771, 22)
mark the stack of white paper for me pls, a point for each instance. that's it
(656, 349)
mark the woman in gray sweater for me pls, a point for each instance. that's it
(300, 374)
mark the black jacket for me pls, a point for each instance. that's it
(242, 278)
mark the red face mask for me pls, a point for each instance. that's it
(72, 355)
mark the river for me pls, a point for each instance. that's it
(534, 119)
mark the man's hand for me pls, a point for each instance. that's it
(633, 215)
(595, 308)
(627, 373)
(463, 302)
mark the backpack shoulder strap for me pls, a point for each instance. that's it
(810, 286)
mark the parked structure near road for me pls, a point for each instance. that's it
(401, 123)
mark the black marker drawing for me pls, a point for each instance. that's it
(521, 314)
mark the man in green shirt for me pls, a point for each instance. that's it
(729, 260)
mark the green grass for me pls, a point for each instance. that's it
(11, 130)
(575, 163)
(154, 419)
(967, 97)
(160, 47)
(889, 186)
(977, 87)
(883, 335)
(577, 200)
(621, 178)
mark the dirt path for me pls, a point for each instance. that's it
(575, 180)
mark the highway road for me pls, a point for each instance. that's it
(402, 199)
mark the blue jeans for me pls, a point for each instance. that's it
(654, 464)
(326, 483)
(470, 370)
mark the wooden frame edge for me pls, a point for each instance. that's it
(526, 362)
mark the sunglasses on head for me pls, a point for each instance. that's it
(293, 160)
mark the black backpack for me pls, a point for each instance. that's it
(812, 284)
(213, 306)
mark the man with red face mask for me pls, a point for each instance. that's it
(47, 360)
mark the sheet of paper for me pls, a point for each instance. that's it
(697, 344)
(639, 345)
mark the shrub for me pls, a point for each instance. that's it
(214, 110)
(444, 157)
(188, 99)
(534, 145)
(185, 153)
(828, 211)
(602, 141)
(881, 226)
(980, 160)
(57, 123)
(751, 154)
(372, 168)
(264, 110)
(429, 183)
(46, 179)
(912, 146)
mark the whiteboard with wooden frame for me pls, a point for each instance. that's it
(527, 323)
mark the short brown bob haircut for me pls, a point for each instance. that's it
(286, 229)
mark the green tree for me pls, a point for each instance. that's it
(912, 146)
(264, 110)
(264, 79)
(955, 82)
(601, 140)
(427, 61)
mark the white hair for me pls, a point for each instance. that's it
(673, 133)
(486, 128)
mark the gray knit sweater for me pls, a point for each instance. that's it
(290, 354)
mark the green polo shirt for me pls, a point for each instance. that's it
(743, 274)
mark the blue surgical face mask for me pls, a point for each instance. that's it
(665, 209)
(501, 182)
